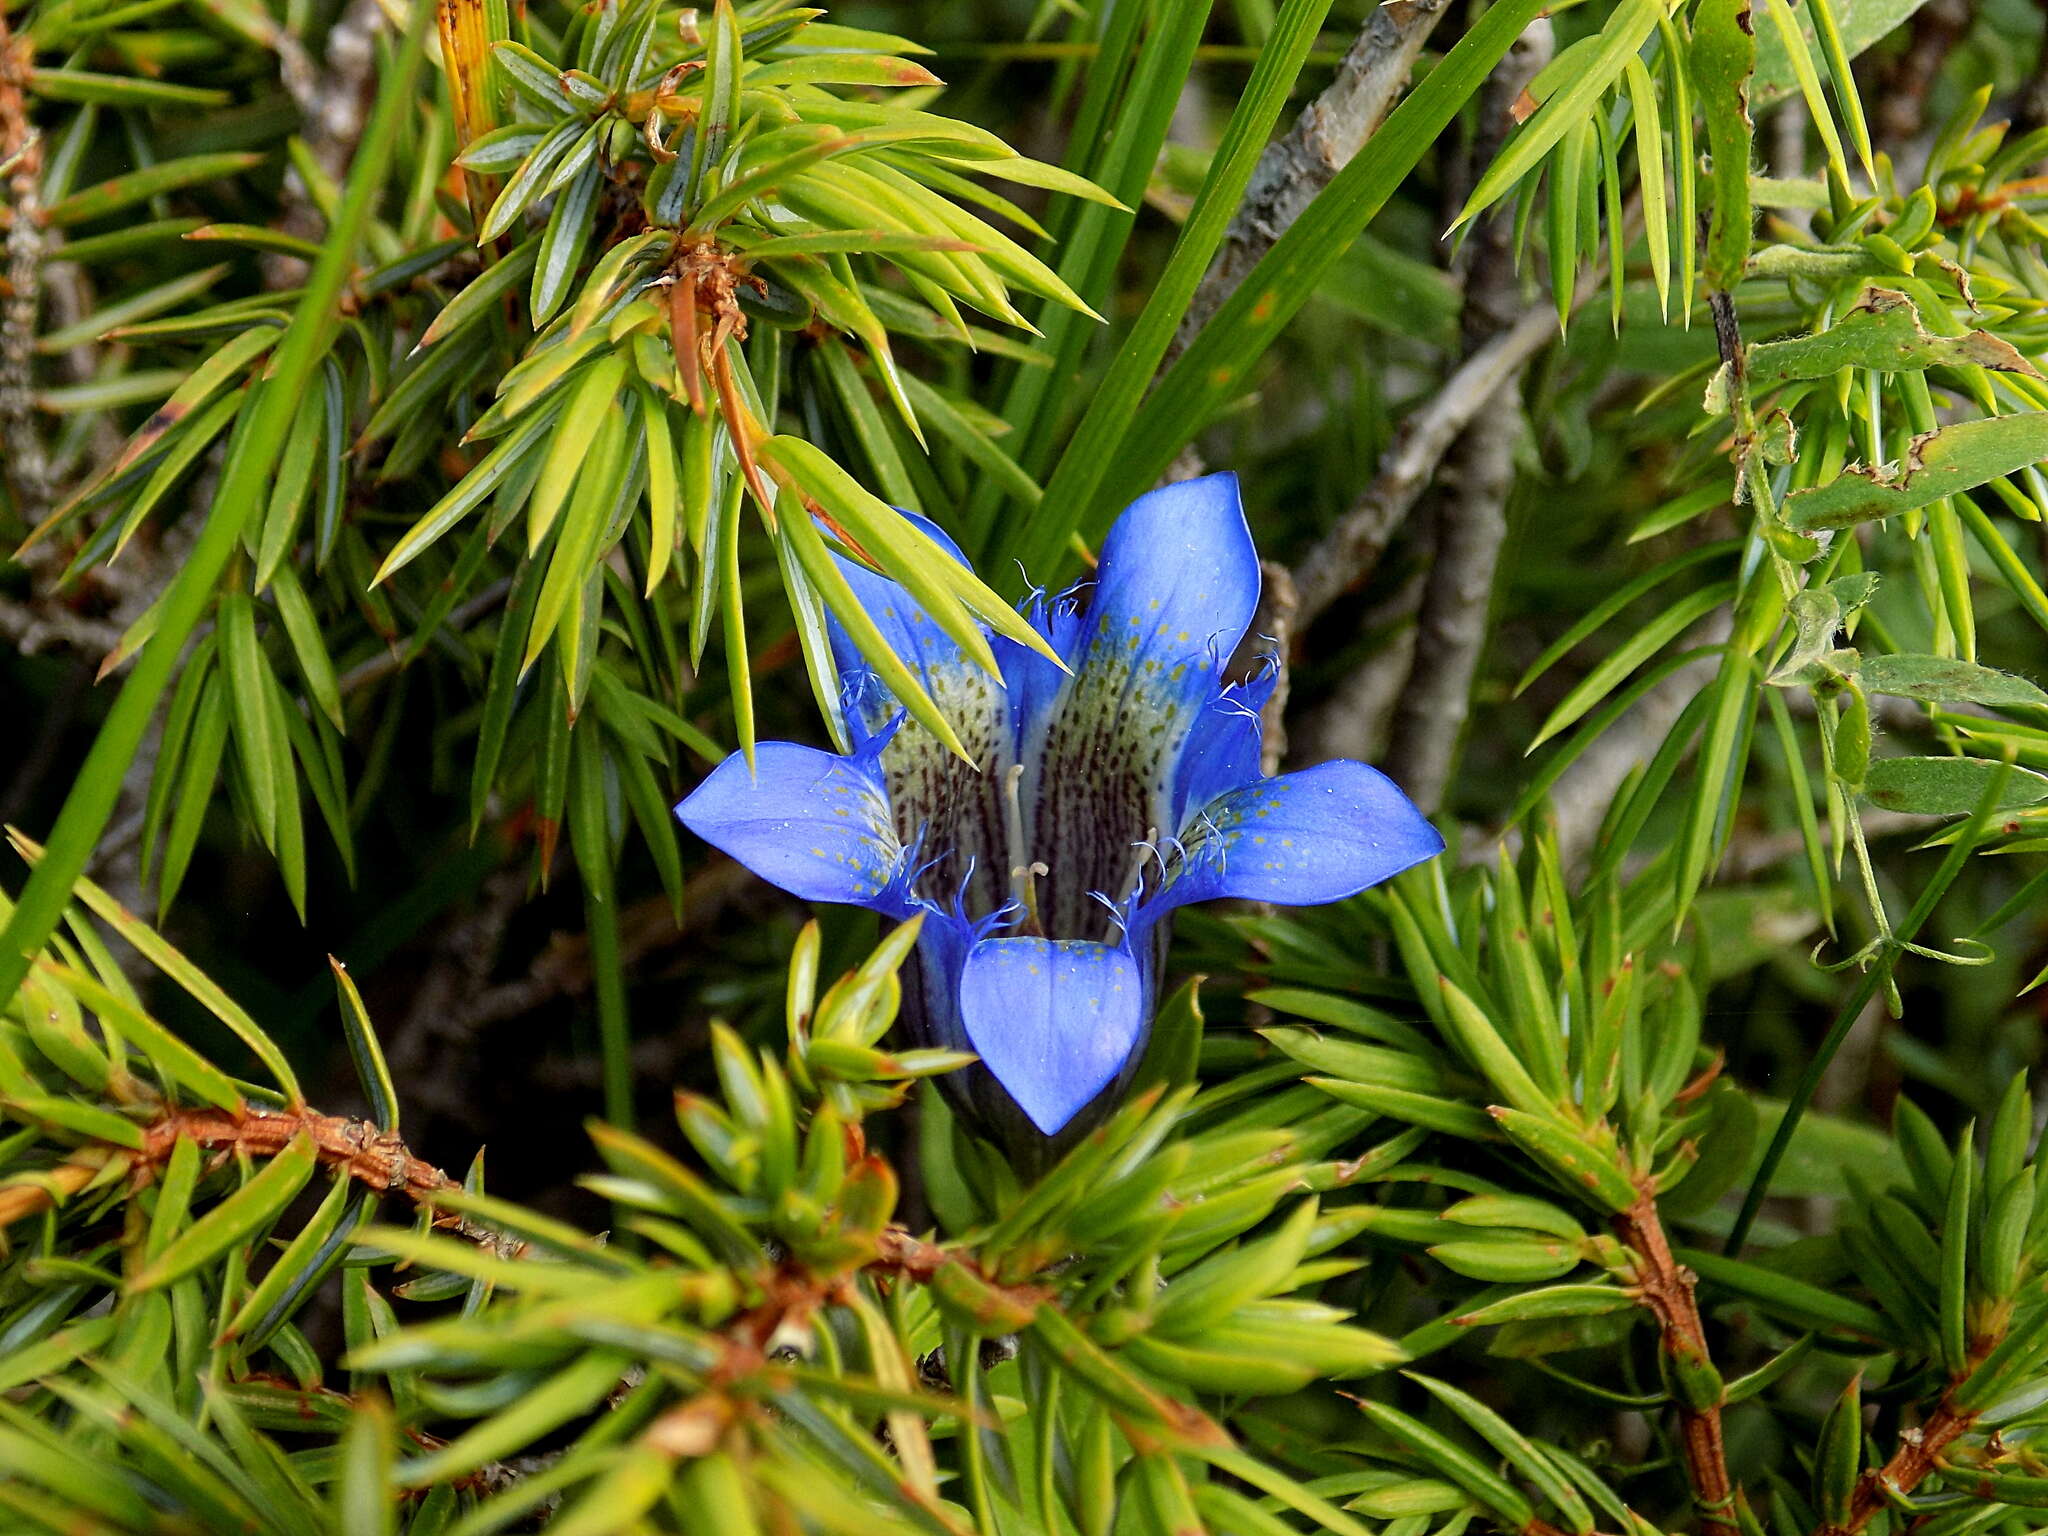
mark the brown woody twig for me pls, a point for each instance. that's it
(1348, 553)
(1479, 472)
(1664, 1287)
(1471, 527)
(1916, 1458)
(376, 1159)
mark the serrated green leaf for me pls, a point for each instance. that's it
(1881, 330)
(1936, 464)
(1720, 60)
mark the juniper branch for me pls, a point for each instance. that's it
(378, 1160)
(1918, 1457)
(1665, 1289)
(1471, 527)
(1471, 524)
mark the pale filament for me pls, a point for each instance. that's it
(1025, 871)
(1148, 849)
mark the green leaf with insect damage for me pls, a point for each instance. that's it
(1936, 464)
(1882, 331)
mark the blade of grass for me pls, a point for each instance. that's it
(1087, 458)
(590, 843)
(1874, 977)
(1223, 356)
(1094, 236)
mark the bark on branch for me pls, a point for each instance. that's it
(1471, 527)
(1664, 1287)
(1916, 1458)
(21, 153)
(375, 1159)
(1471, 521)
(1329, 132)
(1347, 554)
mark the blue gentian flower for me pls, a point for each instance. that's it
(1098, 802)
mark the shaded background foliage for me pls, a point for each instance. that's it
(527, 971)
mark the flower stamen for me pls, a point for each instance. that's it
(1148, 849)
(1025, 871)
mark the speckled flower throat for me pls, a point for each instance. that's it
(1099, 798)
(1060, 840)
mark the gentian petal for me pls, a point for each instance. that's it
(1054, 1021)
(1318, 835)
(930, 1011)
(1033, 683)
(1179, 571)
(1176, 589)
(1223, 750)
(956, 810)
(925, 648)
(815, 824)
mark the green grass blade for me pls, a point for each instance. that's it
(1091, 242)
(590, 843)
(1222, 358)
(1809, 83)
(1632, 653)
(1086, 460)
